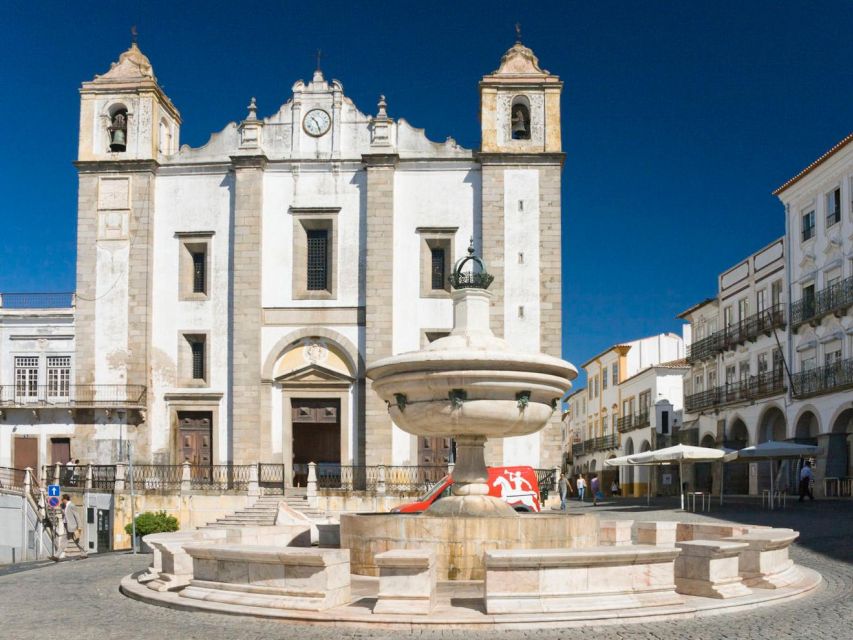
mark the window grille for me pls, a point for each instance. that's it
(198, 359)
(199, 272)
(58, 376)
(26, 376)
(318, 254)
(438, 277)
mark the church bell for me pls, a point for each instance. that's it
(117, 141)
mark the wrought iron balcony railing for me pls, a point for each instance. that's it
(836, 298)
(829, 378)
(763, 385)
(77, 396)
(747, 329)
(635, 421)
(610, 441)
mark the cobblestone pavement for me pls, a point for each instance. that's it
(80, 599)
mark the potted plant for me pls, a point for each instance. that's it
(152, 522)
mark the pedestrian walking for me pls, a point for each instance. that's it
(581, 485)
(595, 487)
(614, 488)
(565, 490)
(72, 524)
(806, 477)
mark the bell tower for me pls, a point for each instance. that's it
(127, 124)
(521, 158)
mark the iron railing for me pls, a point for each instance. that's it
(72, 395)
(835, 298)
(62, 300)
(749, 328)
(12, 479)
(271, 477)
(103, 477)
(829, 378)
(369, 478)
(610, 441)
(768, 383)
(156, 477)
(220, 477)
(635, 421)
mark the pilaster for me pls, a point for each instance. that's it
(245, 309)
(378, 292)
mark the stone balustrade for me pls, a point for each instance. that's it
(269, 576)
(407, 581)
(764, 563)
(709, 568)
(567, 580)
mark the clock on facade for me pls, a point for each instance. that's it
(316, 122)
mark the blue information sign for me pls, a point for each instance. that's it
(53, 490)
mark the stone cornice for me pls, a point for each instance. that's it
(119, 166)
(550, 158)
(258, 161)
(373, 160)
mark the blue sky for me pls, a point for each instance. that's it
(679, 118)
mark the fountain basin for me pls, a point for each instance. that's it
(460, 543)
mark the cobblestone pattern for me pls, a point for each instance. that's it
(81, 599)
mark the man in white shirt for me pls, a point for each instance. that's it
(581, 485)
(806, 478)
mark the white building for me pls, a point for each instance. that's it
(242, 287)
(624, 383)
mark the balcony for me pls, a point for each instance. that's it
(606, 442)
(769, 383)
(75, 396)
(826, 379)
(748, 329)
(836, 299)
(636, 421)
(577, 449)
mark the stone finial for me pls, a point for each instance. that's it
(253, 110)
(381, 106)
(518, 32)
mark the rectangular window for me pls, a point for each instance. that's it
(58, 376)
(727, 317)
(731, 372)
(776, 293)
(808, 225)
(199, 258)
(604, 378)
(198, 358)
(645, 401)
(712, 379)
(698, 384)
(744, 371)
(762, 363)
(615, 370)
(437, 266)
(595, 382)
(777, 362)
(589, 390)
(743, 309)
(833, 207)
(318, 259)
(760, 301)
(808, 301)
(808, 361)
(26, 377)
(832, 357)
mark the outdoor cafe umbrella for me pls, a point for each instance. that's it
(679, 453)
(776, 450)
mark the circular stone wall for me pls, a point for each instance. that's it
(459, 542)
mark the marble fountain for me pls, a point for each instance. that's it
(471, 560)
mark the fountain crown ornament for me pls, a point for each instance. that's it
(474, 279)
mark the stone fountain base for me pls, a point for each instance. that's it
(460, 542)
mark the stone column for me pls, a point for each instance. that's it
(245, 309)
(311, 489)
(378, 296)
(121, 474)
(186, 478)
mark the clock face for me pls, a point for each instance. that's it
(316, 122)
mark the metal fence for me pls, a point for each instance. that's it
(12, 479)
(221, 477)
(36, 300)
(156, 477)
(271, 478)
(369, 478)
(72, 395)
(831, 377)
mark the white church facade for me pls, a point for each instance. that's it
(247, 283)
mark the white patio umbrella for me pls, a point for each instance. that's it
(776, 450)
(679, 453)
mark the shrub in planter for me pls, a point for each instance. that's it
(152, 522)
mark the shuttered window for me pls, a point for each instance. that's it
(438, 275)
(199, 272)
(198, 359)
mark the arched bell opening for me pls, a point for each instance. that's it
(520, 118)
